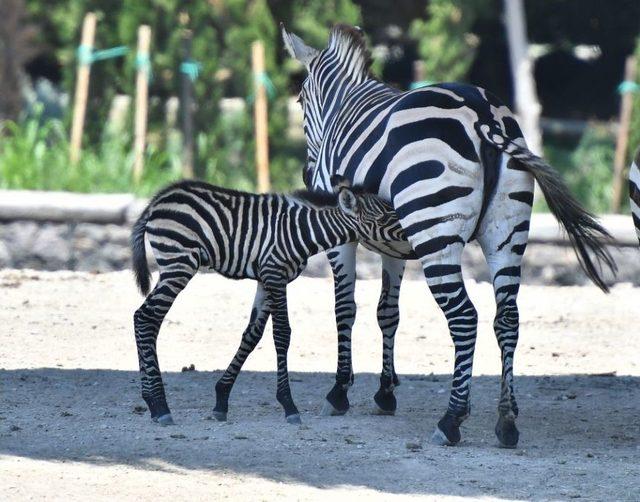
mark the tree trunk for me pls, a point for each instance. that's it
(526, 99)
(15, 47)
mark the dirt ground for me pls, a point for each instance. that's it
(69, 389)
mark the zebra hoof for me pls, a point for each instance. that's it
(328, 410)
(220, 416)
(165, 419)
(507, 433)
(385, 402)
(439, 438)
(294, 419)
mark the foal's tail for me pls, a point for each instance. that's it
(585, 233)
(139, 255)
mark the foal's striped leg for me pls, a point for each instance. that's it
(147, 321)
(281, 339)
(250, 338)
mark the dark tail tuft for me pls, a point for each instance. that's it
(139, 255)
(585, 233)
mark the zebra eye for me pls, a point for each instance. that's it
(300, 99)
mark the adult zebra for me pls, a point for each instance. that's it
(268, 238)
(452, 160)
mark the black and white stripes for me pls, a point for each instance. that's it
(634, 191)
(452, 161)
(193, 225)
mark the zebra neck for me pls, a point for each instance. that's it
(324, 228)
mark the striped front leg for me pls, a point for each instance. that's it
(282, 338)
(343, 265)
(388, 319)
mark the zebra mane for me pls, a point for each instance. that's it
(348, 45)
(319, 199)
(325, 199)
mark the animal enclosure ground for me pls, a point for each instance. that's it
(70, 426)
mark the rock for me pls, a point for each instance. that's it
(5, 256)
(53, 247)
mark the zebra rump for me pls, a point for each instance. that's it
(584, 231)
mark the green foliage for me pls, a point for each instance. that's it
(587, 168)
(223, 31)
(35, 155)
(634, 129)
(313, 20)
(446, 43)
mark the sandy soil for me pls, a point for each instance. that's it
(69, 392)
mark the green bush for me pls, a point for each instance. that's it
(35, 156)
(586, 167)
(222, 37)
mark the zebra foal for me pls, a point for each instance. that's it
(240, 235)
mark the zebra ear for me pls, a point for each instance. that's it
(296, 47)
(348, 201)
(338, 181)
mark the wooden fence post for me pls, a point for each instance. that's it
(82, 85)
(186, 105)
(260, 117)
(142, 96)
(622, 142)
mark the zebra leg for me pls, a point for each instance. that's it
(447, 286)
(503, 237)
(343, 265)
(282, 339)
(147, 321)
(250, 338)
(444, 277)
(388, 318)
(506, 282)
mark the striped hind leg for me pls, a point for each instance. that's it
(388, 319)
(250, 338)
(504, 267)
(444, 277)
(147, 321)
(503, 237)
(343, 265)
(437, 225)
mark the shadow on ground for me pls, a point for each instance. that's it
(575, 431)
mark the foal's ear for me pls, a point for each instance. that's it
(296, 47)
(338, 181)
(348, 201)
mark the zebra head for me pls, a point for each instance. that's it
(375, 219)
(331, 74)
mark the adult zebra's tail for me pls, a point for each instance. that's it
(634, 191)
(139, 255)
(585, 233)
